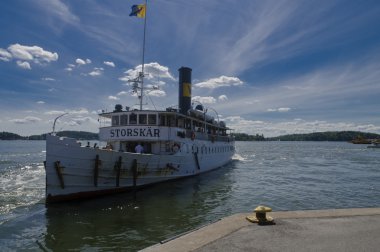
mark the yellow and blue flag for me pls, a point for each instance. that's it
(138, 10)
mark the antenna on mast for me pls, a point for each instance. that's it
(55, 120)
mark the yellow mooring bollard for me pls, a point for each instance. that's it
(260, 216)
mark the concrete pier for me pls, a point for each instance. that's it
(313, 230)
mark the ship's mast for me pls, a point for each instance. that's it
(138, 82)
(143, 59)
(141, 74)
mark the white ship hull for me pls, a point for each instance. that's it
(74, 171)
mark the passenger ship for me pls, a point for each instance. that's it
(176, 143)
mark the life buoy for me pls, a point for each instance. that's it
(192, 135)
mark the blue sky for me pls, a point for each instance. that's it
(267, 67)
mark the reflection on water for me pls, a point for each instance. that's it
(122, 220)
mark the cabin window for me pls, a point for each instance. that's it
(162, 120)
(181, 123)
(133, 119)
(171, 121)
(142, 119)
(115, 120)
(152, 119)
(188, 124)
(124, 120)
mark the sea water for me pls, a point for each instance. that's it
(281, 175)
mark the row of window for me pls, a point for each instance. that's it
(164, 120)
(209, 150)
(132, 119)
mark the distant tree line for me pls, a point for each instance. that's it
(346, 136)
(246, 137)
(79, 135)
(10, 136)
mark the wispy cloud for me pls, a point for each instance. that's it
(26, 120)
(5, 55)
(265, 32)
(47, 79)
(109, 63)
(96, 71)
(114, 98)
(222, 81)
(278, 109)
(326, 89)
(152, 70)
(23, 64)
(205, 99)
(80, 111)
(58, 10)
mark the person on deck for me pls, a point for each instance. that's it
(139, 148)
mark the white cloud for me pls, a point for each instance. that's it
(204, 100)
(68, 69)
(157, 93)
(47, 79)
(284, 109)
(23, 64)
(222, 98)
(222, 81)
(122, 93)
(24, 55)
(80, 111)
(109, 63)
(152, 70)
(32, 53)
(279, 109)
(114, 98)
(80, 61)
(125, 79)
(76, 121)
(5, 55)
(28, 119)
(55, 112)
(40, 102)
(96, 72)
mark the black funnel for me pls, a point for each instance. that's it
(184, 95)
